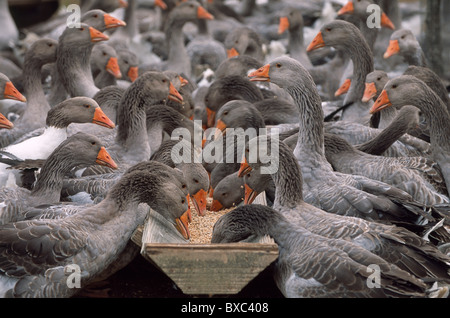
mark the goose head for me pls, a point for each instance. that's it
(128, 64)
(156, 86)
(8, 90)
(43, 51)
(105, 58)
(338, 34)
(290, 19)
(78, 110)
(101, 20)
(254, 184)
(228, 193)
(375, 82)
(402, 41)
(81, 36)
(400, 91)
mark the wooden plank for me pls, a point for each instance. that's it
(211, 268)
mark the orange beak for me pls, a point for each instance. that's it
(183, 81)
(11, 92)
(232, 53)
(316, 43)
(203, 14)
(348, 8)
(101, 119)
(133, 73)
(344, 87)
(386, 22)
(210, 192)
(97, 36)
(182, 224)
(5, 123)
(369, 92)
(284, 25)
(261, 74)
(211, 115)
(161, 4)
(111, 22)
(104, 159)
(216, 206)
(244, 169)
(220, 129)
(174, 94)
(382, 102)
(392, 49)
(113, 67)
(199, 200)
(250, 194)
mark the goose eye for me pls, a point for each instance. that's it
(328, 29)
(104, 54)
(183, 186)
(95, 15)
(403, 37)
(81, 29)
(394, 86)
(236, 42)
(225, 113)
(379, 78)
(195, 180)
(126, 62)
(278, 65)
(50, 45)
(163, 80)
(93, 143)
(182, 201)
(224, 194)
(86, 106)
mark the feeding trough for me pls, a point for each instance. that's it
(206, 269)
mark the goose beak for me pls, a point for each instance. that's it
(199, 200)
(244, 169)
(386, 22)
(11, 92)
(174, 94)
(111, 22)
(369, 92)
(104, 159)
(101, 119)
(344, 87)
(216, 206)
(113, 67)
(348, 8)
(182, 224)
(133, 73)
(232, 53)
(5, 123)
(250, 194)
(210, 192)
(220, 129)
(382, 102)
(392, 49)
(283, 25)
(183, 81)
(261, 74)
(203, 14)
(97, 36)
(211, 115)
(316, 43)
(161, 4)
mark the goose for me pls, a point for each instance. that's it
(226, 89)
(343, 194)
(303, 268)
(347, 37)
(228, 193)
(41, 52)
(74, 110)
(48, 186)
(404, 42)
(181, 84)
(128, 143)
(128, 63)
(178, 58)
(73, 59)
(97, 236)
(255, 183)
(104, 65)
(407, 89)
(237, 65)
(395, 244)
(244, 41)
(394, 171)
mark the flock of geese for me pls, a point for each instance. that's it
(362, 126)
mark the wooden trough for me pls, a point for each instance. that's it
(202, 269)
